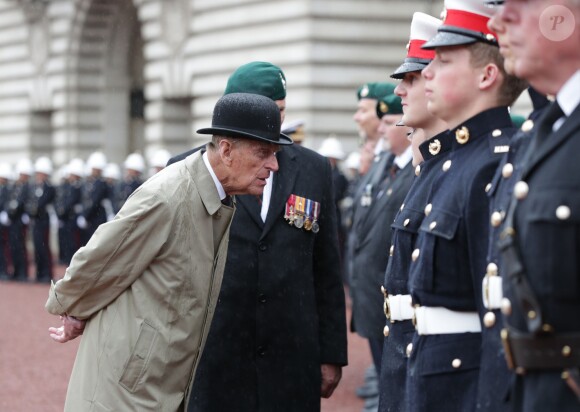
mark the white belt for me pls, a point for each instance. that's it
(399, 308)
(438, 321)
(492, 292)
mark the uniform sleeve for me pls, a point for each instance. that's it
(115, 256)
(328, 281)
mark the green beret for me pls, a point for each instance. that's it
(389, 104)
(375, 90)
(258, 78)
(517, 120)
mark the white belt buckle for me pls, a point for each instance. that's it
(400, 308)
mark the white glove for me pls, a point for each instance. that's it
(25, 219)
(82, 222)
(110, 217)
(4, 219)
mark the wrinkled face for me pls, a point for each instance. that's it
(450, 83)
(528, 26)
(282, 106)
(366, 119)
(251, 164)
(411, 90)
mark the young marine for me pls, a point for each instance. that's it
(430, 143)
(467, 87)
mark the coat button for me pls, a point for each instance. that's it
(262, 246)
(495, 219)
(406, 222)
(507, 170)
(409, 349)
(489, 319)
(563, 212)
(402, 207)
(415, 255)
(487, 187)
(432, 225)
(496, 133)
(521, 190)
(446, 165)
(527, 125)
(262, 298)
(418, 170)
(386, 331)
(456, 363)
(391, 250)
(491, 269)
(506, 306)
(428, 209)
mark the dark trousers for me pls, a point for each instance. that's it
(17, 237)
(71, 239)
(42, 254)
(4, 251)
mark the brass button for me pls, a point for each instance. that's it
(435, 147)
(383, 290)
(528, 125)
(446, 165)
(495, 219)
(409, 349)
(496, 133)
(532, 314)
(428, 209)
(415, 255)
(506, 306)
(391, 250)
(492, 269)
(488, 187)
(563, 212)
(489, 37)
(507, 170)
(521, 190)
(406, 222)
(432, 225)
(386, 331)
(489, 319)
(456, 363)
(566, 351)
(389, 192)
(402, 207)
(418, 170)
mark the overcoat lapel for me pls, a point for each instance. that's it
(252, 207)
(553, 141)
(284, 181)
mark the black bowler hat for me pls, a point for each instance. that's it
(247, 115)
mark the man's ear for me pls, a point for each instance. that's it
(490, 75)
(226, 148)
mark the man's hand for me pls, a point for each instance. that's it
(70, 329)
(331, 375)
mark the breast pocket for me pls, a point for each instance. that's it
(136, 366)
(553, 241)
(438, 252)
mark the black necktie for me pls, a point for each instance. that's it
(553, 113)
(393, 171)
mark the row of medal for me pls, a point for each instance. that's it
(302, 213)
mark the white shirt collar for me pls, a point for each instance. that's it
(217, 183)
(404, 158)
(568, 97)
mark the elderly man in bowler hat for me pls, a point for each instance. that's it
(280, 318)
(145, 286)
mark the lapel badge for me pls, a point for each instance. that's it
(462, 135)
(435, 147)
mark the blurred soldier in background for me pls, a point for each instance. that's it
(294, 129)
(19, 220)
(158, 161)
(93, 193)
(39, 205)
(134, 168)
(112, 176)
(5, 177)
(68, 208)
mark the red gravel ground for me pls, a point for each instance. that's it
(34, 370)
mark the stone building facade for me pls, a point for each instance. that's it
(138, 75)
